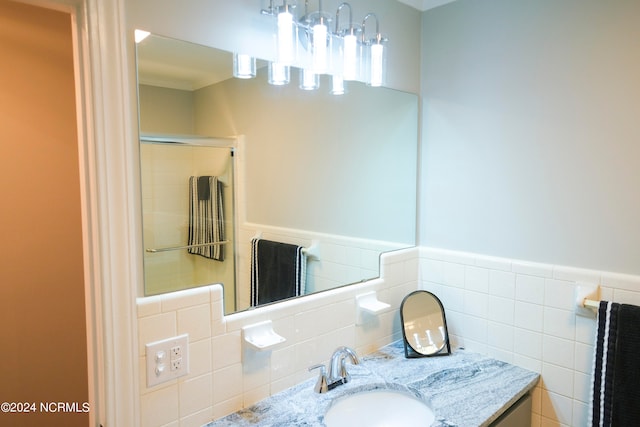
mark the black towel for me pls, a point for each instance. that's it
(277, 271)
(616, 374)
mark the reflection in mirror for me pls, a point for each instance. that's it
(334, 176)
(424, 326)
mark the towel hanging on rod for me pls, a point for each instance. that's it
(206, 217)
(616, 368)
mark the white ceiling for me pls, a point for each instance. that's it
(180, 65)
(425, 4)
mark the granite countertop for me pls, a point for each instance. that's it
(463, 389)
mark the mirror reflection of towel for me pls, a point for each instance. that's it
(206, 216)
(278, 271)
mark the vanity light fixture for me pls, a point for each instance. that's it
(315, 27)
(348, 44)
(244, 66)
(309, 80)
(306, 42)
(374, 56)
(278, 74)
(286, 31)
(337, 85)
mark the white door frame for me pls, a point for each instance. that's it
(110, 201)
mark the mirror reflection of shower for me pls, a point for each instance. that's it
(188, 208)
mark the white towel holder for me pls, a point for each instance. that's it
(313, 251)
(583, 292)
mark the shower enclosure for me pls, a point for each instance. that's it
(188, 214)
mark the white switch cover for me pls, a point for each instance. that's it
(167, 359)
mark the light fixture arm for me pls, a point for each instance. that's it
(364, 29)
(342, 5)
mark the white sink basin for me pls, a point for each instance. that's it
(378, 408)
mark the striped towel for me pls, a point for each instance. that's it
(278, 271)
(615, 391)
(206, 217)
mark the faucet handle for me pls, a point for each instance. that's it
(321, 385)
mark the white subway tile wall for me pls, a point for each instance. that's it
(523, 313)
(225, 377)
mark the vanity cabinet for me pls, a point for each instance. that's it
(518, 415)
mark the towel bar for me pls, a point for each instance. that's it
(175, 248)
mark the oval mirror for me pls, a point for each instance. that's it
(424, 326)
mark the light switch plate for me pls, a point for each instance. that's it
(167, 359)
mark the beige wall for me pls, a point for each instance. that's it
(42, 316)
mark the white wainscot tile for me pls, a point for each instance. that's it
(148, 306)
(226, 350)
(576, 274)
(432, 270)
(528, 343)
(155, 328)
(582, 387)
(530, 289)
(558, 351)
(476, 304)
(493, 263)
(500, 336)
(227, 383)
(557, 408)
(534, 365)
(501, 310)
(197, 419)
(532, 268)
(586, 329)
(476, 279)
(528, 316)
(502, 284)
(453, 274)
(187, 298)
(195, 395)
(475, 329)
(580, 413)
(559, 294)
(560, 323)
(199, 358)
(452, 298)
(159, 407)
(584, 358)
(626, 297)
(195, 321)
(557, 379)
(621, 281)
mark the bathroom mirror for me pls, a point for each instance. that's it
(334, 174)
(424, 325)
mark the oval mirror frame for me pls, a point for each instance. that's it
(424, 325)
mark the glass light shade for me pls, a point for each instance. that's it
(244, 66)
(279, 74)
(286, 38)
(319, 48)
(350, 57)
(337, 85)
(377, 65)
(309, 80)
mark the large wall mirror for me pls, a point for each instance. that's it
(334, 175)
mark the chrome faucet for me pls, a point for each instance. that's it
(338, 374)
(338, 368)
